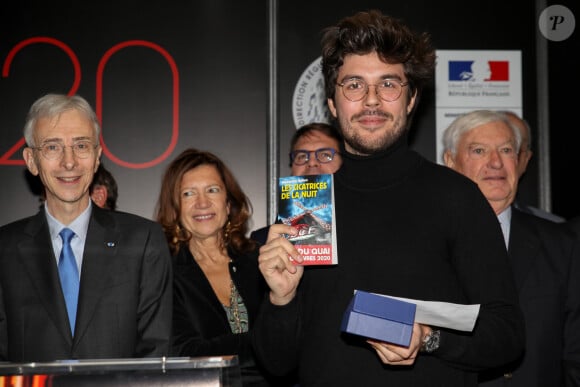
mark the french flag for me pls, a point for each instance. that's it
(461, 70)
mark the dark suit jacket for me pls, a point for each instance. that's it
(545, 260)
(200, 323)
(260, 235)
(125, 298)
(574, 224)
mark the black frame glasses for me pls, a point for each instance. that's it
(355, 89)
(302, 156)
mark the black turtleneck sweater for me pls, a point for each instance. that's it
(405, 227)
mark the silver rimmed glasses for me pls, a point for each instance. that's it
(55, 150)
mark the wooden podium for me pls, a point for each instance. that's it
(145, 372)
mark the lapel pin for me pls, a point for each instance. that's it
(110, 244)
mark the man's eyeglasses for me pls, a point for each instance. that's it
(388, 89)
(55, 150)
(323, 155)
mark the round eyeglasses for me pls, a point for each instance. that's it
(356, 89)
(301, 156)
(55, 150)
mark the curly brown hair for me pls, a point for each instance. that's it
(168, 206)
(366, 32)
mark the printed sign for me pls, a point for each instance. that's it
(468, 80)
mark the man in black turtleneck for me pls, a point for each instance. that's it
(405, 226)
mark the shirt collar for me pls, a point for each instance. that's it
(79, 226)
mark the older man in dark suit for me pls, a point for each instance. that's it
(544, 256)
(77, 281)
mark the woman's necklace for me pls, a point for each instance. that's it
(235, 319)
(237, 312)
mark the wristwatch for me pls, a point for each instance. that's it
(431, 341)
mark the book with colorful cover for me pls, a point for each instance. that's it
(307, 203)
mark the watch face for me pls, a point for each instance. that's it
(431, 341)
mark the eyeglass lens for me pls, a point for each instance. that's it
(323, 155)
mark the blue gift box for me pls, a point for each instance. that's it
(379, 317)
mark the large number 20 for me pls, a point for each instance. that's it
(5, 158)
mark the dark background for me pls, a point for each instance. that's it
(179, 74)
(564, 80)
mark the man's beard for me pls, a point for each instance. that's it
(364, 147)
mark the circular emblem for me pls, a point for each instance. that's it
(557, 23)
(309, 99)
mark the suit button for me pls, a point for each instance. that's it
(508, 375)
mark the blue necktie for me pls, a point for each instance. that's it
(69, 276)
